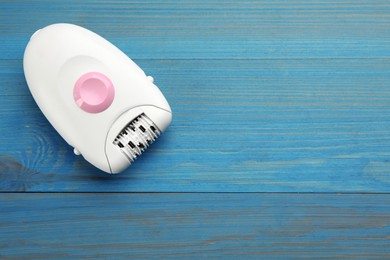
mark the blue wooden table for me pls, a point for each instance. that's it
(279, 145)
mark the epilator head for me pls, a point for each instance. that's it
(95, 96)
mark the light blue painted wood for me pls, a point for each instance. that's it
(217, 29)
(243, 125)
(194, 226)
(277, 96)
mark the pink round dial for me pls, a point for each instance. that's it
(93, 92)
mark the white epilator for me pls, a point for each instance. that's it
(95, 96)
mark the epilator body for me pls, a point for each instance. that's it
(96, 97)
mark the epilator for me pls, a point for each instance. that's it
(96, 97)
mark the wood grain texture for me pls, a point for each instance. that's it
(194, 226)
(212, 29)
(287, 98)
(243, 125)
(267, 96)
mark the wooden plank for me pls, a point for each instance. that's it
(193, 226)
(243, 125)
(212, 29)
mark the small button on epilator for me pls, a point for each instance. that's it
(93, 92)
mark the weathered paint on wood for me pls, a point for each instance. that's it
(266, 95)
(243, 125)
(194, 226)
(213, 29)
(277, 96)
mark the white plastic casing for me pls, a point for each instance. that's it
(56, 57)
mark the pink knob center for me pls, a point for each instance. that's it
(93, 92)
